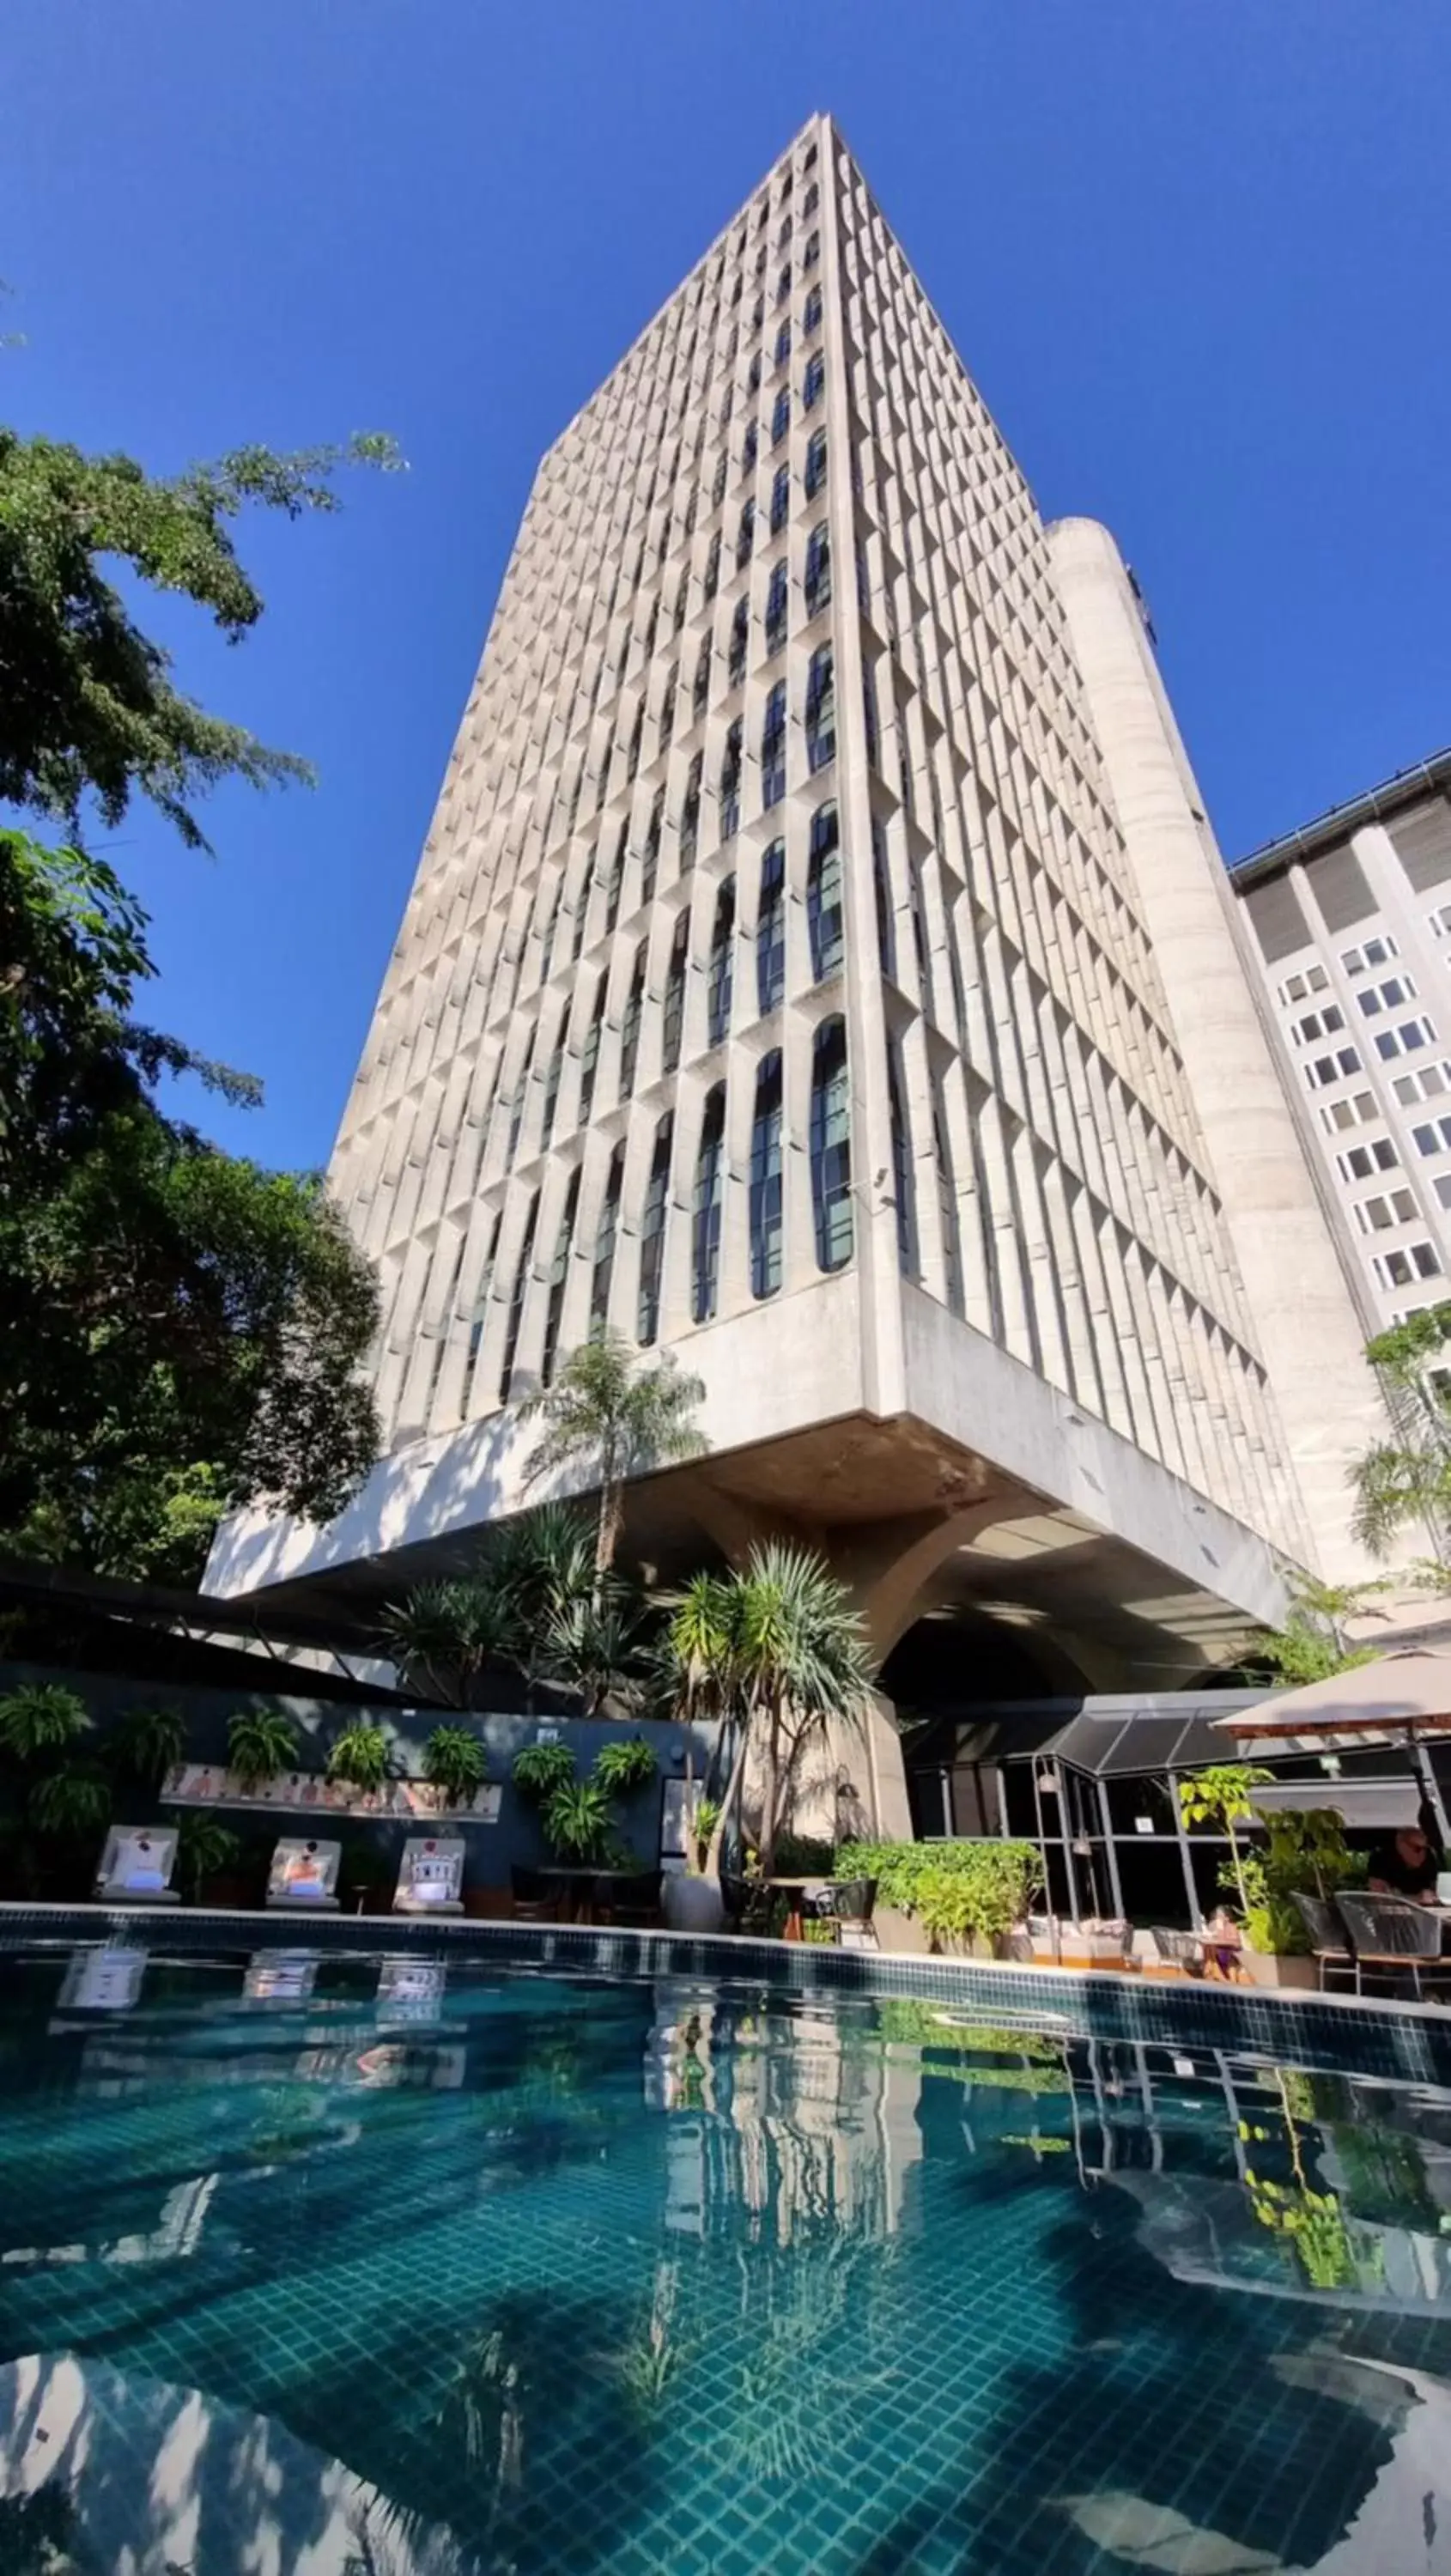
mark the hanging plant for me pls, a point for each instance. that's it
(359, 1755)
(261, 1742)
(619, 1768)
(455, 1761)
(541, 1769)
(148, 1743)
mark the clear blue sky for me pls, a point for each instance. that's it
(1194, 252)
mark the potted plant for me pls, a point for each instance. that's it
(1305, 1853)
(579, 1823)
(261, 1744)
(147, 1744)
(963, 1896)
(359, 1756)
(206, 1850)
(454, 1760)
(540, 1769)
(623, 1768)
(692, 1899)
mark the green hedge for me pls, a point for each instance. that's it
(957, 1891)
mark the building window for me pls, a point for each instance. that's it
(783, 283)
(901, 1164)
(551, 1088)
(706, 1209)
(615, 880)
(753, 374)
(1377, 1216)
(546, 963)
(765, 1187)
(481, 1297)
(700, 686)
(521, 1094)
(820, 709)
(652, 1233)
(811, 317)
(813, 380)
(516, 1300)
(717, 489)
(823, 894)
(1356, 961)
(712, 568)
(1440, 921)
(1299, 987)
(809, 258)
(1404, 1039)
(674, 1014)
(730, 782)
(1426, 1084)
(1432, 1138)
(740, 632)
(780, 499)
(745, 534)
(690, 810)
(1401, 1268)
(1332, 1068)
(558, 1277)
(812, 197)
(682, 593)
(1320, 1024)
(783, 344)
(830, 1146)
(780, 415)
(818, 569)
(590, 1056)
(650, 857)
(947, 1209)
(771, 929)
(748, 452)
(869, 718)
(606, 1235)
(1364, 1161)
(777, 597)
(722, 953)
(1385, 997)
(815, 474)
(882, 894)
(773, 747)
(630, 1025)
(667, 711)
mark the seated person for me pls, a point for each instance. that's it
(1405, 1866)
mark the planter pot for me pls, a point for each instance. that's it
(898, 1931)
(1268, 1968)
(691, 1904)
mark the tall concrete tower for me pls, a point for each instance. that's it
(793, 978)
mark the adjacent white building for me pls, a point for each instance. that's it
(1350, 922)
(820, 965)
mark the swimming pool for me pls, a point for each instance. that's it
(324, 2264)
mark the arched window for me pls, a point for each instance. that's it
(590, 1055)
(813, 380)
(882, 895)
(674, 1013)
(740, 634)
(652, 1233)
(823, 893)
(773, 747)
(700, 685)
(558, 1275)
(630, 1024)
(722, 952)
(650, 856)
(831, 1146)
(606, 1235)
(777, 597)
(748, 451)
(516, 1300)
(780, 499)
(780, 415)
(745, 534)
(783, 344)
(712, 567)
(815, 474)
(811, 317)
(818, 569)
(706, 1207)
(771, 929)
(521, 1093)
(690, 810)
(615, 880)
(820, 709)
(765, 1193)
(730, 782)
(901, 1164)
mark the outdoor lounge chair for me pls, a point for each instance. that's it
(430, 1880)
(1393, 1936)
(304, 1875)
(1329, 1943)
(136, 1865)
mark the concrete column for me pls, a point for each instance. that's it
(1302, 1310)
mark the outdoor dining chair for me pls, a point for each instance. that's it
(1329, 1942)
(1393, 1936)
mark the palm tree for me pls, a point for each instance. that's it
(614, 1419)
(780, 1648)
(1407, 1480)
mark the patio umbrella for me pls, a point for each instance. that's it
(1399, 1699)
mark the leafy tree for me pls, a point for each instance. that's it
(1220, 1795)
(1312, 1643)
(1405, 1483)
(443, 1633)
(613, 1419)
(180, 1330)
(88, 705)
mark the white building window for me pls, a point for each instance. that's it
(1332, 1068)
(1318, 1024)
(1440, 921)
(1370, 953)
(1434, 1137)
(1298, 988)
(1426, 1083)
(1364, 1161)
(1386, 997)
(1377, 1216)
(1402, 1268)
(1404, 1038)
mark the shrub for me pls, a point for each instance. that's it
(957, 1891)
(619, 1768)
(455, 1761)
(578, 1823)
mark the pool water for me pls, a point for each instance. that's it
(340, 2266)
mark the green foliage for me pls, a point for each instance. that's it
(1305, 1854)
(539, 1770)
(900, 2018)
(1219, 1795)
(40, 1719)
(579, 1821)
(204, 1848)
(702, 1828)
(261, 1743)
(961, 1891)
(444, 1633)
(359, 1754)
(621, 1768)
(804, 1856)
(68, 1804)
(147, 1742)
(609, 1416)
(89, 706)
(455, 1761)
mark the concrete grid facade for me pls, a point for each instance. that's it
(1350, 926)
(780, 982)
